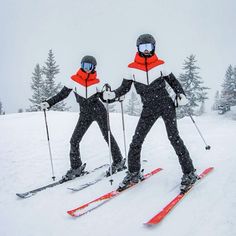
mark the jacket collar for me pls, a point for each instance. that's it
(145, 63)
(84, 78)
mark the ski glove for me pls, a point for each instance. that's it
(44, 105)
(181, 99)
(108, 95)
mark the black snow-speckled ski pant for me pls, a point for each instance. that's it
(148, 117)
(87, 116)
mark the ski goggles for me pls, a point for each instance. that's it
(87, 66)
(146, 46)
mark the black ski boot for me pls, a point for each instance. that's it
(73, 173)
(116, 167)
(188, 181)
(130, 179)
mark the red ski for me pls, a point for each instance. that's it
(163, 213)
(84, 209)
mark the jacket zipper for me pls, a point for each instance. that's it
(146, 71)
(86, 89)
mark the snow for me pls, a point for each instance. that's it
(232, 113)
(25, 164)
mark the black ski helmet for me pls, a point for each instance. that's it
(89, 59)
(145, 38)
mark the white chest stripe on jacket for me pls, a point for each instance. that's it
(140, 76)
(83, 91)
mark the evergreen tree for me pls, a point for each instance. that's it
(37, 86)
(202, 108)
(133, 107)
(50, 88)
(234, 88)
(1, 108)
(216, 101)
(193, 87)
(229, 87)
(112, 107)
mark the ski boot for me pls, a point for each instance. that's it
(188, 181)
(130, 179)
(73, 173)
(116, 167)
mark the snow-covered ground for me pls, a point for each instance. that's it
(210, 209)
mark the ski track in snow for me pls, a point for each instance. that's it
(208, 210)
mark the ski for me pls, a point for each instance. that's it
(164, 212)
(61, 181)
(86, 185)
(94, 204)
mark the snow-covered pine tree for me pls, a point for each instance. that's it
(1, 108)
(133, 107)
(193, 87)
(50, 88)
(234, 88)
(201, 109)
(37, 86)
(228, 92)
(112, 107)
(216, 101)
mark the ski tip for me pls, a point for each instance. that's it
(148, 224)
(23, 195)
(72, 189)
(19, 195)
(206, 171)
(71, 213)
(211, 168)
(156, 171)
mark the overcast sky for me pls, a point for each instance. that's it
(108, 30)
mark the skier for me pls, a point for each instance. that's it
(85, 86)
(148, 76)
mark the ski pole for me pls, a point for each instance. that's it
(123, 125)
(49, 146)
(108, 88)
(207, 147)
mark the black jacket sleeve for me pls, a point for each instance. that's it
(174, 83)
(124, 88)
(64, 93)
